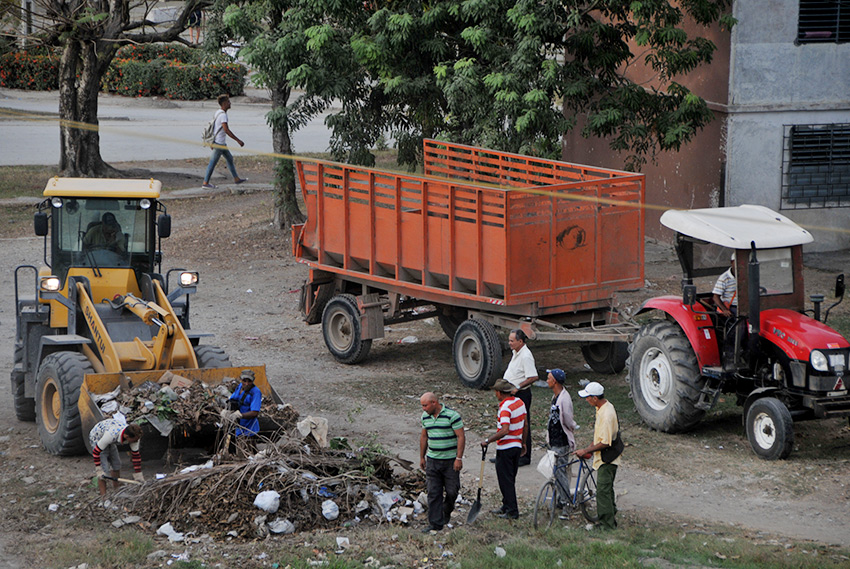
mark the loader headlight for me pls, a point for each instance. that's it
(188, 279)
(819, 361)
(49, 284)
(56, 202)
(145, 203)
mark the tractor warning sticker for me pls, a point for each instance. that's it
(839, 385)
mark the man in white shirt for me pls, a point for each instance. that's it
(222, 131)
(521, 373)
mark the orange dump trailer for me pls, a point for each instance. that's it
(483, 240)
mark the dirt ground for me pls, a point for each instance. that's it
(248, 297)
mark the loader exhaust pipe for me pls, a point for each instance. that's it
(754, 302)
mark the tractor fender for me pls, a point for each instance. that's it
(60, 343)
(753, 396)
(694, 322)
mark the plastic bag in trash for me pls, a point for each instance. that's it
(268, 501)
(386, 500)
(330, 510)
(281, 526)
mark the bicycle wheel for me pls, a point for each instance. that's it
(545, 507)
(587, 495)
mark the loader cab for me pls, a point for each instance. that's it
(99, 224)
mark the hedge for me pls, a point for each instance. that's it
(171, 70)
(22, 70)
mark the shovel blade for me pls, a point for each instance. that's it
(475, 509)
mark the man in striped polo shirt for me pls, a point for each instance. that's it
(441, 446)
(510, 446)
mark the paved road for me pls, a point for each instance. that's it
(140, 129)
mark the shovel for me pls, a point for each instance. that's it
(124, 480)
(476, 507)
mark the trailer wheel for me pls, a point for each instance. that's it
(664, 377)
(450, 318)
(211, 357)
(60, 376)
(477, 353)
(606, 357)
(24, 406)
(770, 428)
(342, 332)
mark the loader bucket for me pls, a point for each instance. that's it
(100, 383)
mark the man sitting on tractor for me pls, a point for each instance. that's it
(725, 293)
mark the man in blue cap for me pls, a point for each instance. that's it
(561, 427)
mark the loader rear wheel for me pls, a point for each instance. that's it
(342, 332)
(664, 377)
(24, 406)
(606, 357)
(477, 354)
(211, 357)
(770, 428)
(60, 376)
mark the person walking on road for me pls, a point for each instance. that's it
(561, 428)
(604, 432)
(510, 447)
(521, 373)
(222, 131)
(441, 446)
(105, 437)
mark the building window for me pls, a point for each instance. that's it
(824, 21)
(816, 166)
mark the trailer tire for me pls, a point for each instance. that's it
(606, 357)
(477, 354)
(211, 357)
(60, 376)
(664, 377)
(770, 428)
(450, 318)
(342, 332)
(24, 406)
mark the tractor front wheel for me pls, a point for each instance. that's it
(211, 357)
(60, 376)
(770, 428)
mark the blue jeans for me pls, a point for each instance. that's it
(228, 157)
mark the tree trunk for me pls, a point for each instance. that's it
(286, 210)
(80, 71)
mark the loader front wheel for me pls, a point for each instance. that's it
(477, 354)
(342, 331)
(211, 357)
(60, 376)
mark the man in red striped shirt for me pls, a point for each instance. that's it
(510, 446)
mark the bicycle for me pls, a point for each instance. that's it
(582, 496)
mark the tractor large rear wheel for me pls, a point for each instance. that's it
(211, 357)
(342, 331)
(477, 354)
(770, 428)
(60, 376)
(664, 377)
(24, 406)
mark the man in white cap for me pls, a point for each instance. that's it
(604, 432)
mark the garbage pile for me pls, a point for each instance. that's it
(177, 404)
(293, 484)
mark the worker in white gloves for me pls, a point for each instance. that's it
(244, 409)
(105, 438)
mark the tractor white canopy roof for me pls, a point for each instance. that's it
(736, 227)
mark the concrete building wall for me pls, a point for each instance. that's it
(774, 84)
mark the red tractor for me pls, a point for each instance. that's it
(781, 361)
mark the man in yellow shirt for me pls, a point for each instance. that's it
(604, 432)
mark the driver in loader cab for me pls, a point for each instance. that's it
(105, 235)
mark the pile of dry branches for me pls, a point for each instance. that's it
(219, 501)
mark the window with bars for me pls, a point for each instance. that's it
(816, 166)
(824, 21)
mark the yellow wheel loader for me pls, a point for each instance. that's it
(100, 314)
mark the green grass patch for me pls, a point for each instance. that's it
(124, 548)
(17, 181)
